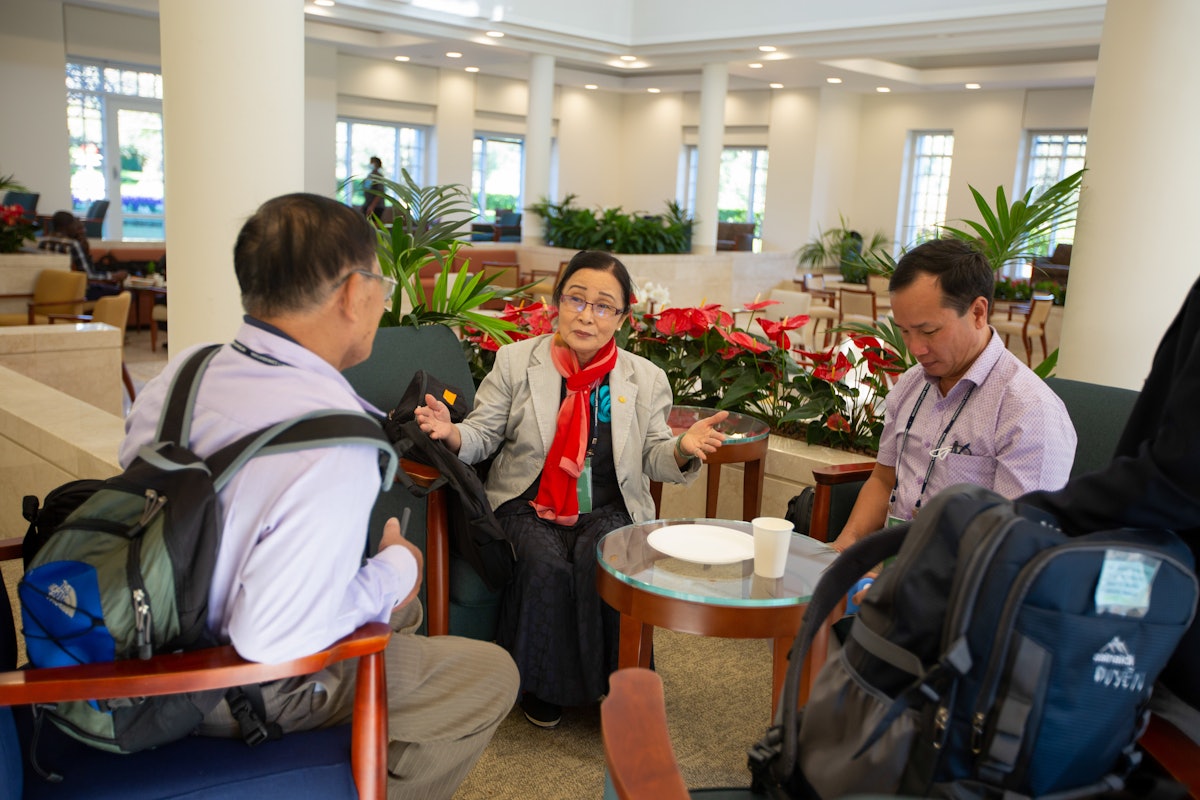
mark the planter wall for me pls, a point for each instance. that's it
(18, 271)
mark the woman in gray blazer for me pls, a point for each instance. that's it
(579, 428)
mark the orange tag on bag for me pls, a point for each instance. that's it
(449, 397)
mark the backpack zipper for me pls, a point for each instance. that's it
(1016, 596)
(143, 614)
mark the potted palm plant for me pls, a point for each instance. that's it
(842, 247)
(428, 223)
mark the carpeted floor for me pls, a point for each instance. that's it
(718, 695)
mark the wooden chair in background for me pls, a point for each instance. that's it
(56, 291)
(1030, 323)
(823, 306)
(856, 305)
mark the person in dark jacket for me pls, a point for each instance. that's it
(1153, 481)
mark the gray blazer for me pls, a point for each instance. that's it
(516, 409)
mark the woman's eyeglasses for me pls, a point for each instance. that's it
(578, 304)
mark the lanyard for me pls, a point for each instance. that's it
(261, 358)
(594, 395)
(933, 454)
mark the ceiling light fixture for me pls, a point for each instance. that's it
(767, 48)
(629, 58)
(755, 65)
(653, 90)
(776, 85)
(324, 3)
(472, 69)
(495, 34)
(882, 89)
(590, 86)
(833, 80)
(972, 86)
(402, 58)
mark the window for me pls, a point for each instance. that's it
(497, 173)
(741, 188)
(114, 117)
(397, 146)
(1052, 156)
(928, 185)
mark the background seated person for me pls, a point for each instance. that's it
(581, 430)
(68, 235)
(969, 411)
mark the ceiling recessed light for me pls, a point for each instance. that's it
(775, 57)
(325, 3)
(776, 85)
(402, 58)
(472, 69)
(453, 54)
(972, 86)
(755, 65)
(767, 48)
(882, 89)
(833, 80)
(590, 86)
(653, 90)
(495, 34)
(629, 58)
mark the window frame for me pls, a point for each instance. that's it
(926, 184)
(346, 171)
(479, 193)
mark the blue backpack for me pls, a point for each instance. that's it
(996, 657)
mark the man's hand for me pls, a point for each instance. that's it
(394, 537)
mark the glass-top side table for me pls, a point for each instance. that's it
(745, 443)
(652, 589)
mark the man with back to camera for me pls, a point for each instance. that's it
(289, 577)
(969, 411)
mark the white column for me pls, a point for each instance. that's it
(1130, 266)
(455, 131)
(714, 83)
(233, 121)
(538, 128)
(320, 118)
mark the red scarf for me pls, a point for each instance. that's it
(556, 499)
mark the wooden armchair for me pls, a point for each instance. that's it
(1031, 322)
(200, 766)
(55, 291)
(112, 310)
(835, 490)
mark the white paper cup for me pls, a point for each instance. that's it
(772, 537)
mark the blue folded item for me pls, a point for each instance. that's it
(62, 616)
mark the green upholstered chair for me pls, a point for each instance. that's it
(1099, 414)
(455, 598)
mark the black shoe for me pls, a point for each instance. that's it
(539, 712)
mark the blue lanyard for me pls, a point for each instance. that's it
(933, 454)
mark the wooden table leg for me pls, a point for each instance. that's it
(636, 643)
(714, 489)
(752, 489)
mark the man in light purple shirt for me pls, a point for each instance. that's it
(289, 576)
(970, 411)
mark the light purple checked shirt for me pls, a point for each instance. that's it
(1013, 435)
(289, 577)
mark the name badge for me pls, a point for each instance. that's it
(583, 488)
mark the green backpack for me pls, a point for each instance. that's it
(127, 573)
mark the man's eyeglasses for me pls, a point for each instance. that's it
(578, 304)
(389, 284)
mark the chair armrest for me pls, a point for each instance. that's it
(69, 301)
(1172, 750)
(824, 479)
(437, 548)
(15, 296)
(10, 549)
(637, 746)
(197, 670)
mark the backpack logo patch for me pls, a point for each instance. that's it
(62, 595)
(1115, 667)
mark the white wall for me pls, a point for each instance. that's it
(33, 119)
(651, 140)
(96, 34)
(590, 147)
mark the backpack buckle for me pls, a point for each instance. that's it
(254, 730)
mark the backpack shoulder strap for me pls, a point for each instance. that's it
(325, 428)
(175, 420)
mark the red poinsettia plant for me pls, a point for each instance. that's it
(830, 398)
(15, 228)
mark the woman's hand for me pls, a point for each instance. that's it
(434, 419)
(703, 438)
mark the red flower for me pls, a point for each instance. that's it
(742, 340)
(694, 322)
(837, 422)
(777, 331)
(881, 360)
(835, 371)
(761, 304)
(12, 214)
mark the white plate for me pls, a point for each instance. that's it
(703, 544)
